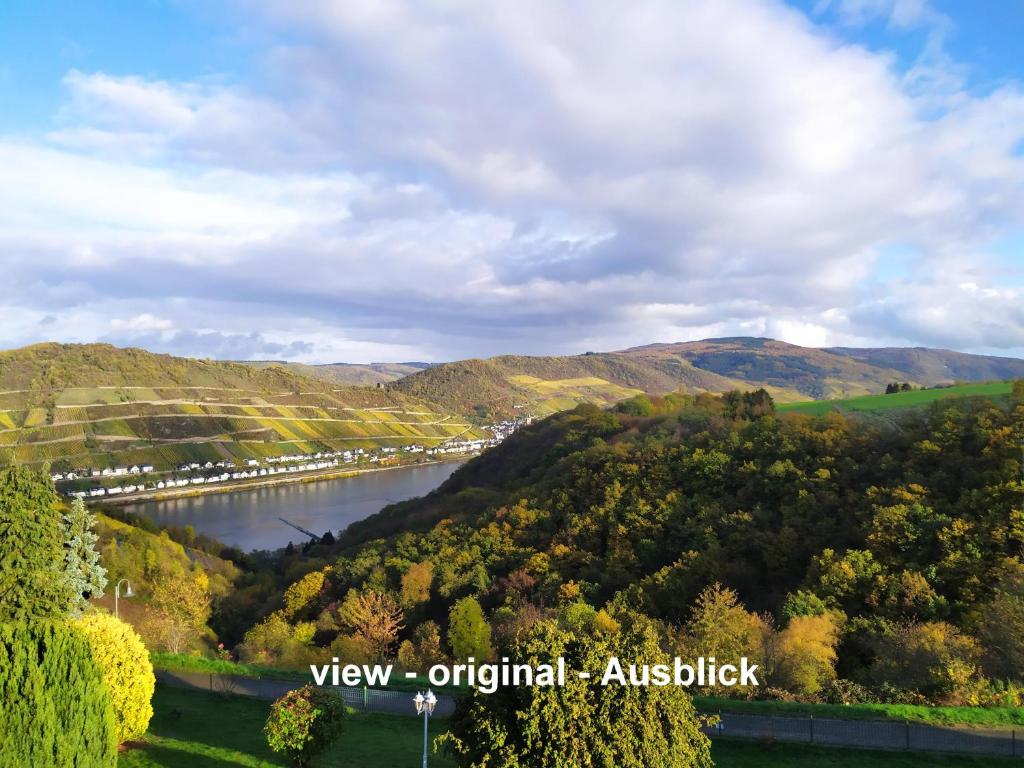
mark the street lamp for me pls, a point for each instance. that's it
(117, 594)
(425, 706)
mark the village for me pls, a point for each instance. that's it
(137, 478)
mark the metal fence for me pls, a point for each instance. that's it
(869, 734)
(858, 734)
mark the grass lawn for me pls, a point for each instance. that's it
(898, 399)
(988, 717)
(740, 754)
(219, 732)
(187, 663)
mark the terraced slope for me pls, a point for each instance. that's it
(99, 406)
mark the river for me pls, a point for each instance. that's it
(251, 519)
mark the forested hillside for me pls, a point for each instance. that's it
(855, 560)
(98, 406)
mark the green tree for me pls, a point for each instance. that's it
(582, 723)
(721, 627)
(33, 583)
(82, 563)
(304, 722)
(55, 710)
(469, 634)
(124, 661)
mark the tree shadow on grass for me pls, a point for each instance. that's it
(164, 755)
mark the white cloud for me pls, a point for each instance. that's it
(143, 322)
(466, 179)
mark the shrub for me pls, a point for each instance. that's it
(127, 671)
(56, 711)
(304, 722)
(582, 722)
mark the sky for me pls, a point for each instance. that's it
(355, 181)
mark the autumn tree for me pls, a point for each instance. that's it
(301, 594)
(805, 653)
(416, 584)
(1002, 625)
(933, 658)
(423, 650)
(180, 608)
(376, 618)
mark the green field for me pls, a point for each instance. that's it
(871, 403)
(205, 730)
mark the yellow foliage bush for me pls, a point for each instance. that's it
(124, 661)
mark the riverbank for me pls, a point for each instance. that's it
(315, 476)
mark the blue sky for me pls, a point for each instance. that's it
(394, 180)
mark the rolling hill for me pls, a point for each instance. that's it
(99, 406)
(346, 374)
(937, 366)
(500, 387)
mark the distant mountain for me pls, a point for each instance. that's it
(348, 374)
(499, 387)
(815, 373)
(95, 405)
(937, 366)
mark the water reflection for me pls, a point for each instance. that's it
(250, 519)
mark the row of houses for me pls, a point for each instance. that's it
(222, 477)
(277, 464)
(80, 474)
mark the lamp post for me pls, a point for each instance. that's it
(117, 594)
(425, 706)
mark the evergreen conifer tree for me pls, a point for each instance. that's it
(85, 573)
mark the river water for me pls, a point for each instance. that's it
(251, 519)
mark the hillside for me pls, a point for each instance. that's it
(858, 522)
(346, 374)
(100, 406)
(510, 385)
(815, 373)
(898, 401)
(505, 386)
(937, 366)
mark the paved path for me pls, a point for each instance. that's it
(855, 734)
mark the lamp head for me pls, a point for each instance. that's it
(128, 592)
(418, 701)
(430, 700)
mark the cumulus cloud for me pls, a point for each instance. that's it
(441, 180)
